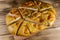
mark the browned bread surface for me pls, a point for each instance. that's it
(30, 18)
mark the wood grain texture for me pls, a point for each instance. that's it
(4, 34)
(6, 37)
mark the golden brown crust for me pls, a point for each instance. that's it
(30, 18)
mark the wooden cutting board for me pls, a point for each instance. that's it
(48, 34)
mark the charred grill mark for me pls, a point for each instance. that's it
(28, 29)
(19, 27)
(20, 13)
